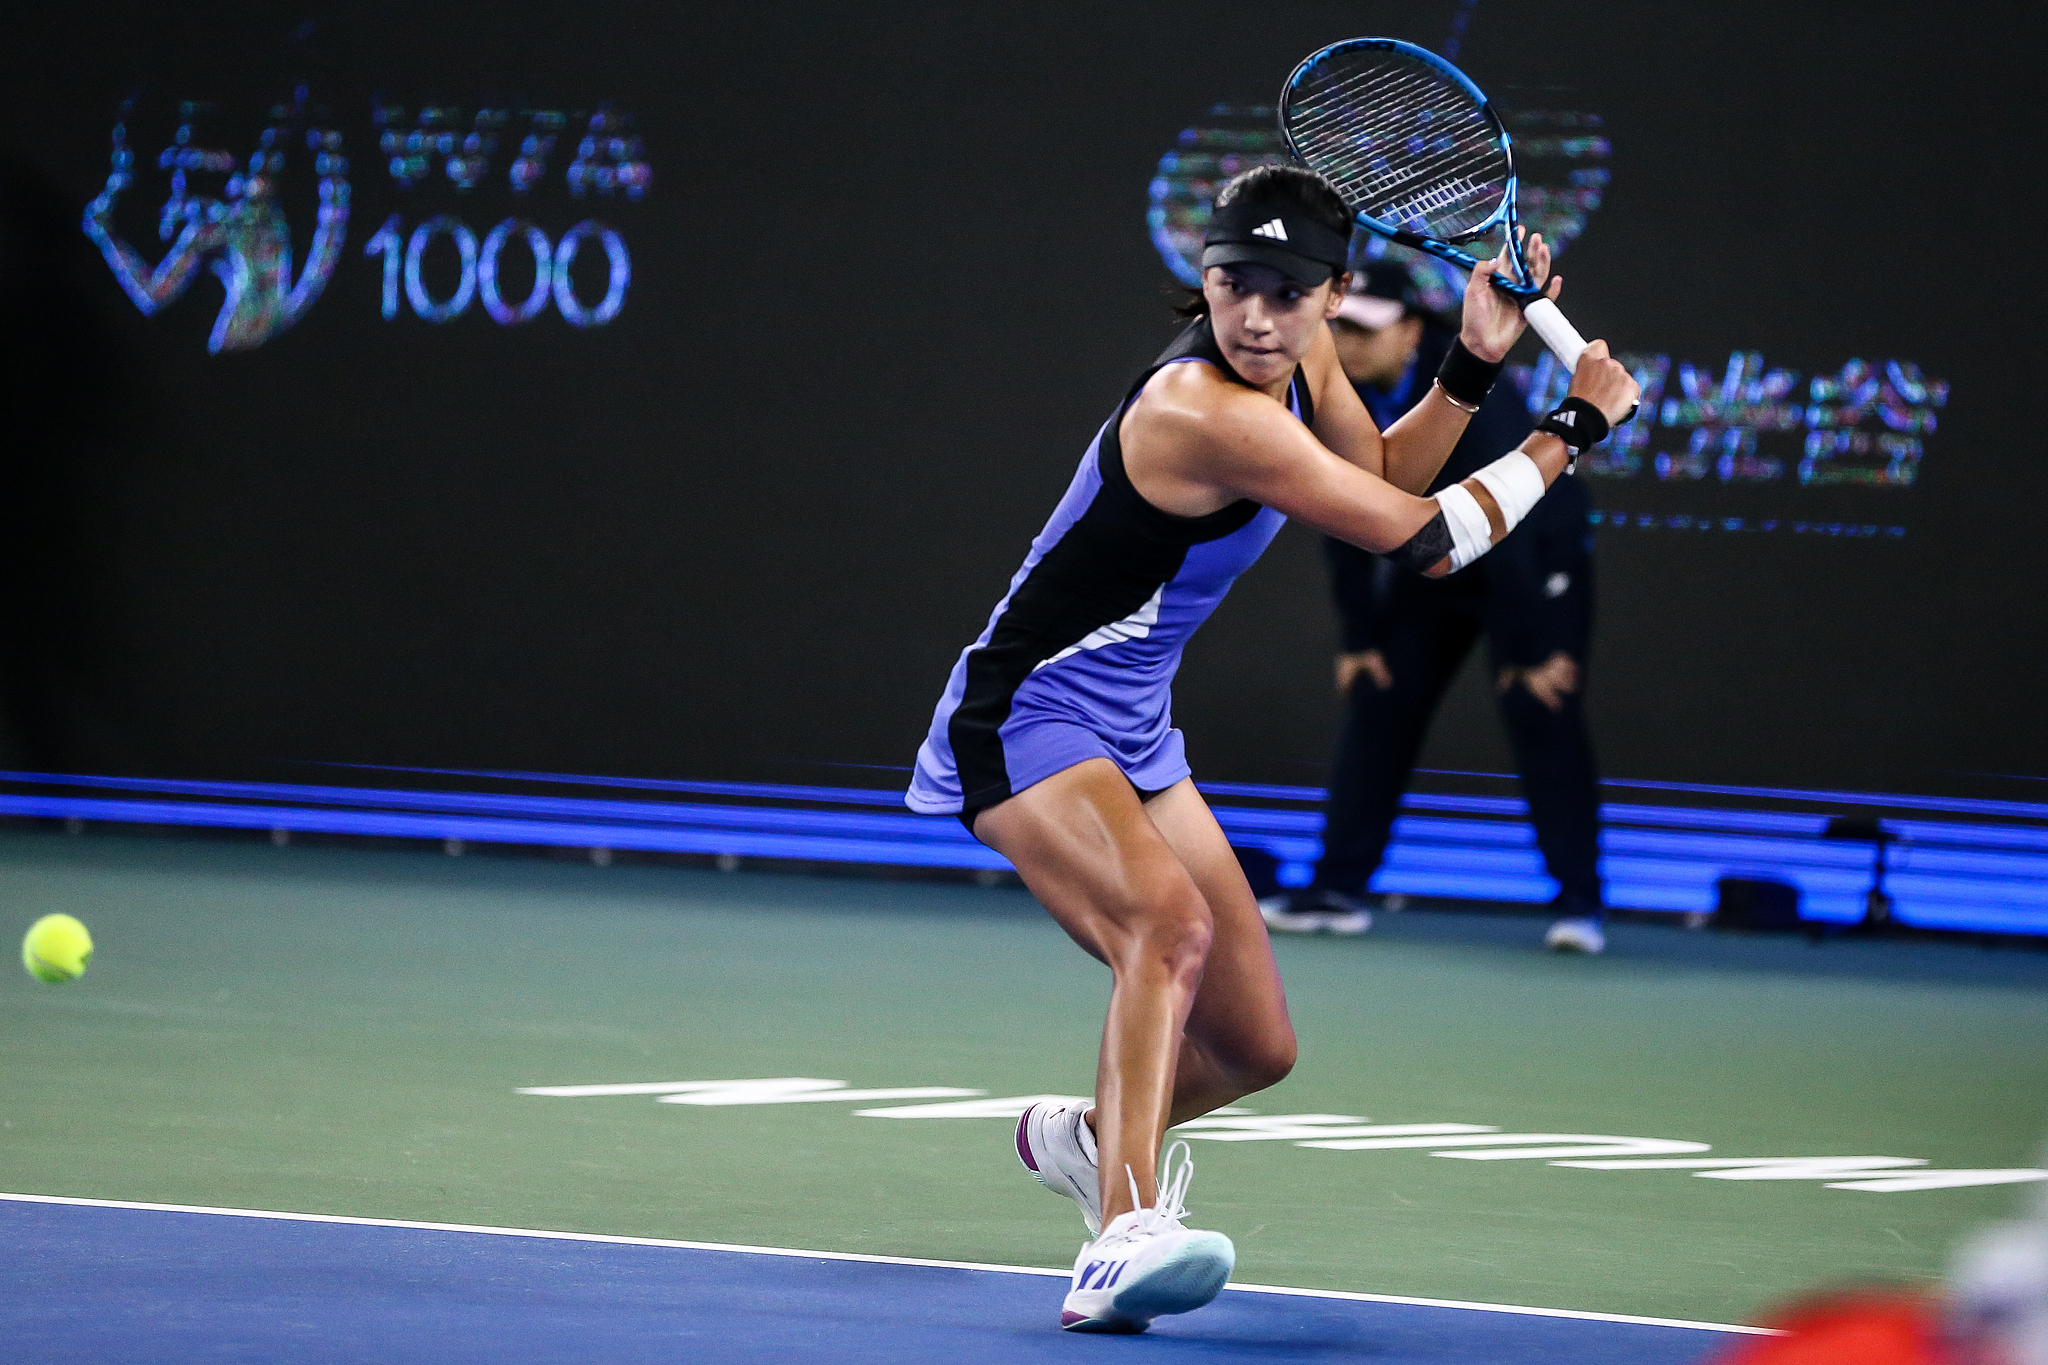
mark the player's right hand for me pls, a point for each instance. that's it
(1605, 383)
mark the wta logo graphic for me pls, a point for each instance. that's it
(236, 216)
(240, 233)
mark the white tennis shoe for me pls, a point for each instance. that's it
(1056, 1145)
(1578, 934)
(1145, 1265)
(1316, 912)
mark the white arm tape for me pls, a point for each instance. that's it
(1516, 484)
(1471, 533)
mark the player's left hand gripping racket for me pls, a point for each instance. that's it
(1419, 155)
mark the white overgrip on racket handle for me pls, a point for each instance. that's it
(1559, 335)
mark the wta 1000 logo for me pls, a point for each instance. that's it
(449, 257)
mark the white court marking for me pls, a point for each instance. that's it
(858, 1256)
(1346, 1133)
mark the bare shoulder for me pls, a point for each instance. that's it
(1190, 434)
(1192, 407)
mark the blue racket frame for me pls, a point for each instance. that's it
(1505, 216)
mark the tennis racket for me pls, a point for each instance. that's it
(1421, 157)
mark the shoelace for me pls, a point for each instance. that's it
(1171, 1205)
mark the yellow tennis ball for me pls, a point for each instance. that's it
(56, 949)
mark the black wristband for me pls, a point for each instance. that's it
(1465, 376)
(1577, 423)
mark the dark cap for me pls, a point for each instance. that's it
(1274, 232)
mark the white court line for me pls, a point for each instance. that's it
(859, 1256)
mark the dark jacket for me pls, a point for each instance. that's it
(1534, 589)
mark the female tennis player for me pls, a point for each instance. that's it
(1054, 741)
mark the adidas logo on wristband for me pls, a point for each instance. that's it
(1565, 422)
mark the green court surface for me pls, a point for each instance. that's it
(346, 1032)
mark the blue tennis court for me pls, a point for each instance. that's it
(94, 1281)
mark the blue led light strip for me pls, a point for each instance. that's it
(1960, 805)
(772, 791)
(1956, 874)
(738, 842)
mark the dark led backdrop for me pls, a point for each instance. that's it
(671, 391)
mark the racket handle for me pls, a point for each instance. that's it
(1559, 335)
(1562, 338)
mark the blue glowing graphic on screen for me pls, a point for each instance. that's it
(240, 232)
(1863, 425)
(234, 214)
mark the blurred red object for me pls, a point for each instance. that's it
(1855, 1327)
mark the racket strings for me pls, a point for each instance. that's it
(1435, 199)
(1373, 155)
(1409, 100)
(1356, 111)
(1405, 87)
(1360, 126)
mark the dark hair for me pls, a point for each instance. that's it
(1289, 184)
(1296, 185)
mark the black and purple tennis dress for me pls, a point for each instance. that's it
(1078, 658)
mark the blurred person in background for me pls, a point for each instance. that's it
(1405, 636)
(1993, 1310)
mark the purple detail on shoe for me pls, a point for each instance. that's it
(1101, 1274)
(1024, 1143)
(1068, 1317)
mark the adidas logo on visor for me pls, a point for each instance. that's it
(1274, 229)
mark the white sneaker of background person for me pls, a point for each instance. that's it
(1056, 1145)
(1315, 912)
(1146, 1265)
(1578, 934)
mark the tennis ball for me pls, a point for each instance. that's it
(56, 949)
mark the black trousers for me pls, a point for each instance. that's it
(1430, 629)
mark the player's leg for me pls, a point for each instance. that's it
(1239, 1039)
(1095, 859)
